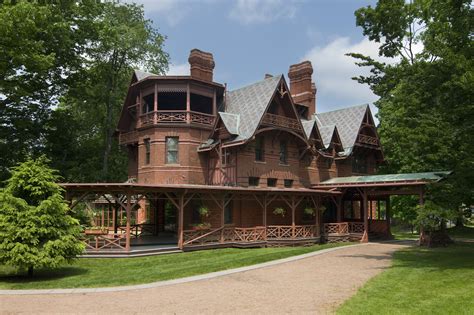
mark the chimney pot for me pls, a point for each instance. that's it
(202, 65)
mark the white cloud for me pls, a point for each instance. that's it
(333, 71)
(179, 69)
(262, 11)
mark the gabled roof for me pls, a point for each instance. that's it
(348, 122)
(231, 122)
(142, 74)
(326, 134)
(308, 126)
(250, 103)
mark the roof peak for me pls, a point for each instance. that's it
(345, 108)
(276, 77)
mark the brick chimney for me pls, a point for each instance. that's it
(302, 89)
(202, 64)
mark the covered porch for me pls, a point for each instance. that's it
(362, 210)
(136, 217)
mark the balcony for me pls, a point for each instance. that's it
(369, 140)
(281, 122)
(175, 117)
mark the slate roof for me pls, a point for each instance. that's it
(308, 126)
(142, 74)
(231, 122)
(347, 120)
(249, 103)
(326, 133)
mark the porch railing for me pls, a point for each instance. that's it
(111, 241)
(343, 228)
(356, 227)
(336, 228)
(248, 235)
(281, 121)
(175, 116)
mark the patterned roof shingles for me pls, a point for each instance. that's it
(250, 103)
(347, 121)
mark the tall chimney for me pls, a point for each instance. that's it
(302, 89)
(202, 64)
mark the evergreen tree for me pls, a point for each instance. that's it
(36, 229)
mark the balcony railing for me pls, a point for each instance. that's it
(368, 140)
(175, 117)
(281, 122)
(128, 137)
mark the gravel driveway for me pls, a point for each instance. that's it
(312, 285)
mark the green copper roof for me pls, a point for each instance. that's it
(388, 178)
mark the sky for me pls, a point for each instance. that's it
(250, 38)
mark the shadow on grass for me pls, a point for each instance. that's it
(42, 275)
(456, 256)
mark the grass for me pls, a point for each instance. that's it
(400, 233)
(420, 281)
(462, 232)
(106, 272)
(466, 232)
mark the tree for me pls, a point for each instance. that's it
(77, 56)
(36, 229)
(426, 105)
(124, 40)
(42, 45)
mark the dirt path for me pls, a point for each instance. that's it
(312, 285)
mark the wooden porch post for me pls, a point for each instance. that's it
(339, 209)
(181, 221)
(387, 216)
(293, 206)
(155, 104)
(365, 236)
(128, 209)
(421, 241)
(223, 205)
(265, 214)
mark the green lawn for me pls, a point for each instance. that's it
(462, 232)
(105, 272)
(420, 281)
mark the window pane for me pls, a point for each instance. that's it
(172, 143)
(228, 213)
(172, 157)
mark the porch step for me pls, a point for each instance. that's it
(132, 253)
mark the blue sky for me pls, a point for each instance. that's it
(249, 38)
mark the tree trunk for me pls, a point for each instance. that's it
(459, 221)
(30, 271)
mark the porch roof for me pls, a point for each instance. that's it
(147, 188)
(406, 179)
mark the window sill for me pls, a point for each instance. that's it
(260, 162)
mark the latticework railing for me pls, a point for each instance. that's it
(178, 116)
(336, 228)
(365, 139)
(290, 232)
(281, 121)
(356, 227)
(249, 234)
(97, 242)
